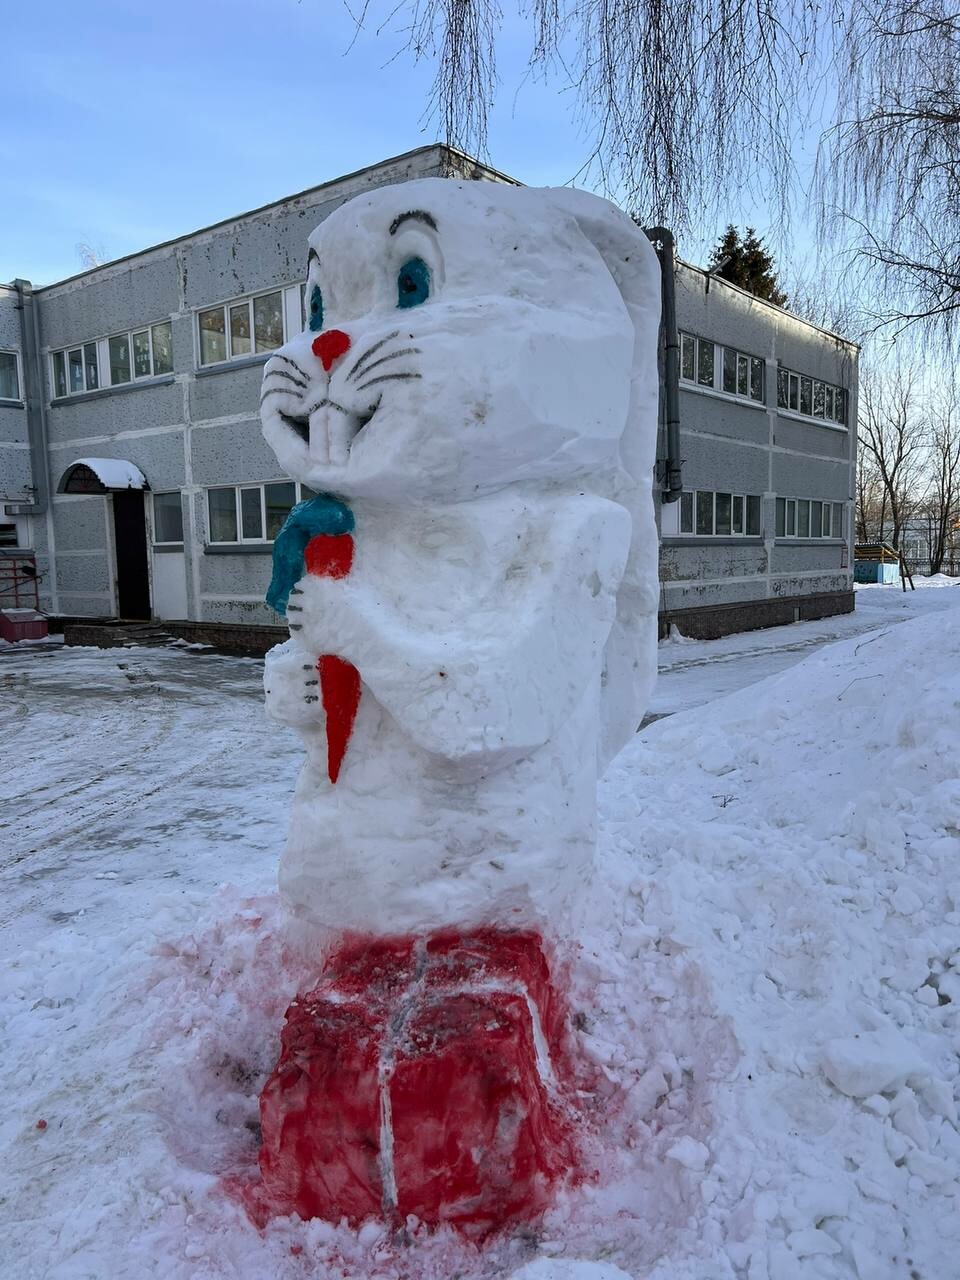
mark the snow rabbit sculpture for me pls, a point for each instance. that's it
(472, 596)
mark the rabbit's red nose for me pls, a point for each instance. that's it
(330, 346)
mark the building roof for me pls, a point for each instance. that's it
(456, 158)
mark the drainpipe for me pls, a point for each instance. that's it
(662, 241)
(34, 401)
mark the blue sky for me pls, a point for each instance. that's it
(130, 123)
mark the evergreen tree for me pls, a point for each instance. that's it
(747, 263)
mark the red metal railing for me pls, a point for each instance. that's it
(18, 580)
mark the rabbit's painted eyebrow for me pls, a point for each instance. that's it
(418, 215)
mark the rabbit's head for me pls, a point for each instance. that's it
(462, 336)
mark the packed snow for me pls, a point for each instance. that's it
(770, 986)
(501, 607)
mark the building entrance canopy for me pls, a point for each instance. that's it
(101, 475)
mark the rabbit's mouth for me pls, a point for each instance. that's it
(329, 429)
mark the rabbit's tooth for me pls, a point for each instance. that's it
(320, 436)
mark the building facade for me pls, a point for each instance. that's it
(132, 465)
(764, 528)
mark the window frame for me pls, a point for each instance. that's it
(154, 523)
(691, 508)
(792, 508)
(833, 397)
(240, 540)
(102, 365)
(17, 373)
(226, 309)
(725, 359)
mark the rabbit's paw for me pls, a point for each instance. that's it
(291, 685)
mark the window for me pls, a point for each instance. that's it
(706, 357)
(708, 514)
(167, 518)
(753, 516)
(9, 376)
(738, 374)
(704, 513)
(119, 360)
(144, 353)
(125, 357)
(811, 397)
(686, 512)
(807, 518)
(252, 512)
(241, 328)
(688, 356)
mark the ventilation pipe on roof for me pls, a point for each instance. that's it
(670, 471)
(33, 400)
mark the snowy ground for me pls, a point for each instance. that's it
(775, 966)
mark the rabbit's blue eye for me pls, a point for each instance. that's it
(413, 283)
(316, 309)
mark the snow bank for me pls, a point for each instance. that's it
(770, 990)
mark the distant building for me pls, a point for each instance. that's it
(763, 531)
(146, 372)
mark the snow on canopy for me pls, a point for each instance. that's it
(113, 473)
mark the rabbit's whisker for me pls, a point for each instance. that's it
(286, 359)
(394, 355)
(276, 391)
(388, 377)
(356, 370)
(283, 373)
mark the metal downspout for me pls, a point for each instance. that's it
(34, 402)
(662, 240)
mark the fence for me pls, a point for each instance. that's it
(922, 568)
(18, 580)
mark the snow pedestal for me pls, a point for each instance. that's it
(422, 1077)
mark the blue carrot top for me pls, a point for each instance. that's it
(320, 515)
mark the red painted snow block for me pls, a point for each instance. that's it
(320, 1113)
(476, 1141)
(422, 1077)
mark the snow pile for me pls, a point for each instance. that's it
(770, 988)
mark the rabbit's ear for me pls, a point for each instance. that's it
(630, 658)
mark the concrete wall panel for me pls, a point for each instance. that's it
(13, 426)
(691, 595)
(87, 575)
(795, 477)
(9, 319)
(723, 465)
(79, 524)
(125, 298)
(132, 409)
(85, 606)
(787, 586)
(807, 556)
(237, 611)
(704, 561)
(235, 453)
(807, 437)
(241, 575)
(14, 474)
(226, 392)
(702, 412)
